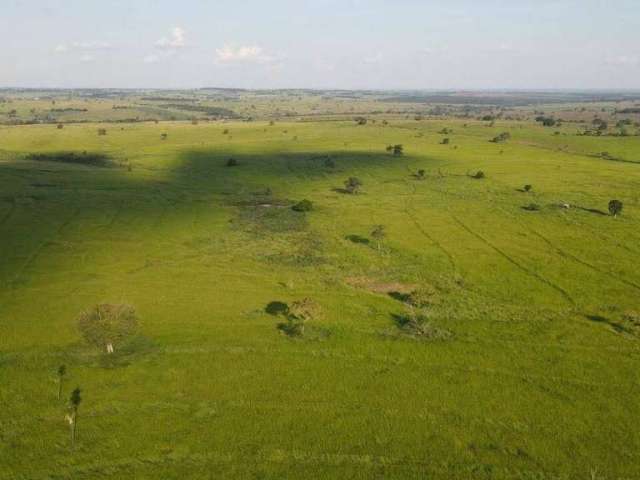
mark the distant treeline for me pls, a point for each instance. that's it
(63, 110)
(629, 110)
(169, 99)
(210, 111)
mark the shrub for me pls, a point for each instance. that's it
(297, 315)
(503, 137)
(232, 162)
(60, 126)
(445, 141)
(107, 324)
(478, 175)
(102, 131)
(532, 207)
(615, 207)
(527, 188)
(421, 174)
(352, 185)
(303, 206)
(163, 136)
(329, 162)
(398, 150)
(423, 297)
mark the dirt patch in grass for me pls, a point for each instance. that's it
(376, 286)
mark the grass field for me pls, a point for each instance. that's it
(536, 375)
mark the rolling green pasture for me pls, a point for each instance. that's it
(539, 377)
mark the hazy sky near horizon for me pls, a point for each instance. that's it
(385, 44)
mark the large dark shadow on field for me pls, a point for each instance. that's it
(94, 183)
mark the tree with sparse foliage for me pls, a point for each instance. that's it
(72, 416)
(615, 207)
(298, 314)
(352, 185)
(62, 371)
(106, 325)
(398, 150)
(378, 233)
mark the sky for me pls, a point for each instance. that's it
(347, 44)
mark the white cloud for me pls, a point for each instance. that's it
(87, 58)
(373, 59)
(91, 45)
(151, 59)
(243, 54)
(624, 60)
(82, 46)
(175, 40)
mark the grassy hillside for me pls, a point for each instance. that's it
(531, 371)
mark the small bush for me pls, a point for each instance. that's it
(615, 207)
(352, 185)
(102, 131)
(527, 188)
(303, 206)
(478, 175)
(532, 207)
(503, 137)
(445, 141)
(107, 324)
(232, 162)
(60, 126)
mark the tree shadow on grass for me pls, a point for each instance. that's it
(617, 327)
(358, 239)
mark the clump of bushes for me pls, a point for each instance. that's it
(352, 185)
(297, 315)
(416, 324)
(303, 206)
(615, 207)
(396, 150)
(423, 297)
(106, 325)
(503, 137)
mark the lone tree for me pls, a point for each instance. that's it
(72, 416)
(615, 207)
(527, 188)
(421, 174)
(378, 233)
(298, 314)
(352, 185)
(398, 150)
(62, 371)
(107, 324)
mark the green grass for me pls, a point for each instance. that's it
(538, 378)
